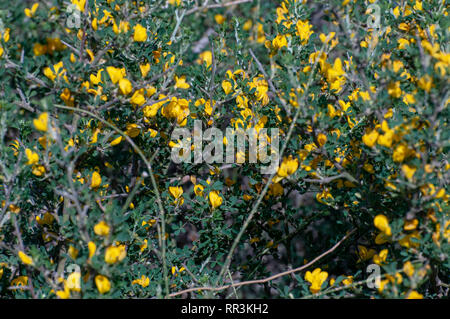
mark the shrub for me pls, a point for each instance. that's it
(93, 204)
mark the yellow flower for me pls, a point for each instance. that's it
(226, 86)
(125, 86)
(153, 132)
(72, 252)
(381, 222)
(38, 170)
(175, 270)
(180, 83)
(411, 224)
(208, 108)
(334, 73)
(177, 108)
(80, 4)
(124, 26)
(402, 43)
(316, 278)
(304, 30)
(332, 112)
(175, 2)
(348, 280)
(369, 168)
(151, 90)
(220, 19)
(41, 123)
(205, 57)
(116, 141)
(67, 98)
(288, 167)
(400, 153)
(133, 130)
(198, 190)
(33, 157)
(215, 199)
(92, 248)
(418, 6)
(262, 88)
(94, 138)
(275, 189)
(414, 295)
(57, 71)
(20, 281)
(242, 101)
(46, 219)
(101, 229)
(6, 34)
(116, 74)
(325, 194)
(389, 113)
(394, 89)
(322, 139)
(30, 12)
(396, 11)
(150, 223)
(73, 282)
(365, 254)
(63, 294)
(115, 254)
(143, 281)
(102, 283)
(381, 257)
(27, 260)
(176, 191)
(409, 171)
(370, 138)
(409, 99)
(12, 208)
(410, 240)
(408, 269)
(140, 33)
(144, 245)
(279, 41)
(326, 38)
(145, 68)
(425, 83)
(382, 238)
(138, 98)
(96, 180)
(388, 136)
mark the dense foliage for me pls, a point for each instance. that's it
(93, 206)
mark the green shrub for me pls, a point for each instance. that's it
(93, 206)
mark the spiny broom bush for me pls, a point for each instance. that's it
(92, 205)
